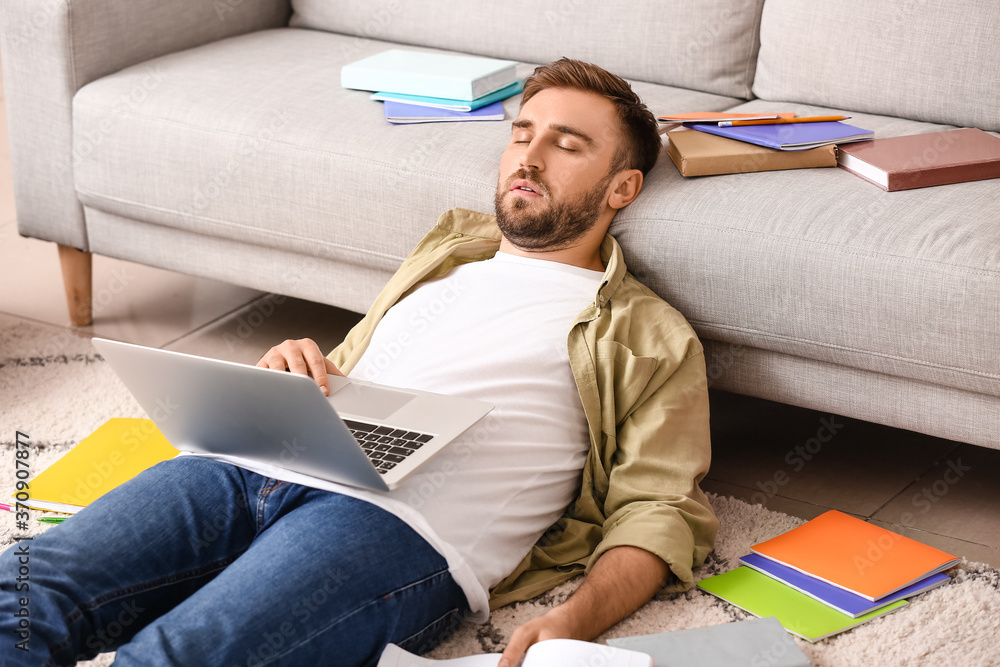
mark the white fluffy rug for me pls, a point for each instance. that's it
(55, 388)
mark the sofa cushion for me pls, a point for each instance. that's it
(710, 45)
(933, 60)
(820, 264)
(253, 139)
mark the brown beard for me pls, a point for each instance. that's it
(555, 227)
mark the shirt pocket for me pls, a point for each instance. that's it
(621, 378)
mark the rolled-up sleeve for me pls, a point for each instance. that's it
(661, 451)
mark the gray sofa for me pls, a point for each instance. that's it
(212, 137)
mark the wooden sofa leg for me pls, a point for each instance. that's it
(78, 281)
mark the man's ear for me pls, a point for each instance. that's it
(625, 188)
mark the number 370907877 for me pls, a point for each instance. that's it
(22, 472)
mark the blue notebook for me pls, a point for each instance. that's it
(453, 105)
(399, 113)
(452, 76)
(833, 596)
(790, 136)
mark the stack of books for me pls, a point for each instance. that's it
(421, 87)
(723, 143)
(831, 574)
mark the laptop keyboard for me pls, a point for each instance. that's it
(385, 446)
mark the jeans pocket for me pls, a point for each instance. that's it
(431, 635)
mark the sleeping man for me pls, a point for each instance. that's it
(590, 462)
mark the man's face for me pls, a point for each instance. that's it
(555, 172)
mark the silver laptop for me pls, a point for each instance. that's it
(363, 435)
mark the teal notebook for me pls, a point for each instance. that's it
(445, 75)
(451, 105)
(763, 596)
(758, 641)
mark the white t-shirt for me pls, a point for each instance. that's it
(494, 330)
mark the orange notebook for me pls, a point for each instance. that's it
(855, 555)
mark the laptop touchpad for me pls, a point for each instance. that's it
(366, 401)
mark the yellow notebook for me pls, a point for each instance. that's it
(113, 454)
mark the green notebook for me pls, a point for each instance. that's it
(798, 613)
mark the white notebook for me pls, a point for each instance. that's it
(543, 654)
(444, 75)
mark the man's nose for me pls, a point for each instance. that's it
(531, 158)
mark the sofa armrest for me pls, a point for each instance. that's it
(52, 48)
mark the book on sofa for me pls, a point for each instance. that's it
(445, 75)
(452, 105)
(701, 154)
(923, 160)
(790, 136)
(400, 113)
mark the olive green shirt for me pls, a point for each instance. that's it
(640, 371)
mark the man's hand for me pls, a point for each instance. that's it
(621, 581)
(555, 624)
(304, 357)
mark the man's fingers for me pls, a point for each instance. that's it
(316, 364)
(519, 643)
(302, 357)
(273, 359)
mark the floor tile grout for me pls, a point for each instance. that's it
(935, 464)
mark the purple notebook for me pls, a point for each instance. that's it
(843, 601)
(399, 112)
(790, 136)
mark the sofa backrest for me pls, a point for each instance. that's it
(710, 45)
(930, 60)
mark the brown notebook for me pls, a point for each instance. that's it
(922, 160)
(700, 154)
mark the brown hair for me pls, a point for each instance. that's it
(641, 141)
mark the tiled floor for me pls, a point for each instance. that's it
(792, 460)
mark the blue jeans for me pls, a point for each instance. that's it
(198, 562)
